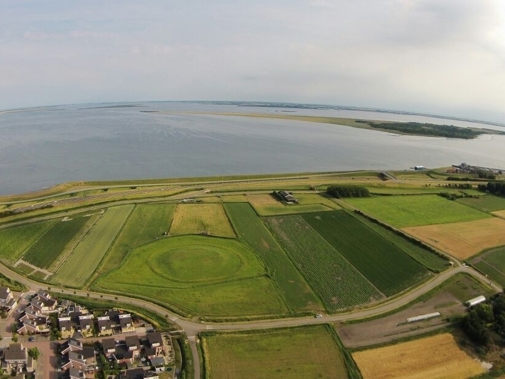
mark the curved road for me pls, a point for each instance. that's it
(192, 328)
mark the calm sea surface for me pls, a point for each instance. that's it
(40, 148)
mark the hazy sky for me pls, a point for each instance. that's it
(436, 56)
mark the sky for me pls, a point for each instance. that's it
(429, 56)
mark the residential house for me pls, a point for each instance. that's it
(44, 303)
(86, 324)
(138, 373)
(133, 345)
(66, 327)
(104, 326)
(126, 322)
(84, 360)
(74, 373)
(15, 357)
(71, 345)
(109, 347)
(7, 300)
(31, 325)
(155, 341)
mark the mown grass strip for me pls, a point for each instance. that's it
(83, 261)
(293, 287)
(145, 224)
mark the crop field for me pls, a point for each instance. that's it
(47, 248)
(268, 205)
(293, 287)
(387, 267)
(295, 353)
(335, 280)
(492, 263)
(406, 211)
(198, 275)
(146, 223)
(315, 198)
(486, 203)
(234, 199)
(15, 240)
(85, 258)
(434, 357)
(500, 214)
(208, 219)
(424, 256)
(462, 240)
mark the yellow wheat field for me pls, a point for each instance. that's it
(432, 357)
(499, 214)
(462, 239)
(208, 219)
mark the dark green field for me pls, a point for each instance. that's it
(14, 241)
(487, 203)
(335, 280)
(492, 263)
(381, 262)
(292, 285)
(427, 258)
(47, 248)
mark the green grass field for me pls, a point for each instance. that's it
(293, 287)
(424, 256)
(492, 263)
(146, 223)
(486, 203)
(85, 258)
(47, 248)
(295, 353)
(270, 205)
(16, 240)
(382, 263)
(208, 219)
(198, 275)
(404, 211)
(333, 278)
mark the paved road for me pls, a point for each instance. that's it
(192, 328)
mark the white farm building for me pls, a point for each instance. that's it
(475, 301)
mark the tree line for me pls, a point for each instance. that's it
(349, 190)
(417, 128)
(495, 188)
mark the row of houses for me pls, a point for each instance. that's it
(151, 353)
(112, 322)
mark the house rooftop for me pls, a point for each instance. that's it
(108, 344)
(4, 292)
(15, 352)
(155, 339)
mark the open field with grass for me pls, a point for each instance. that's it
(338, 284)
(424, 256)
(382, 263)
(146, 223)
(48, 248)
(269, 205)
(405, 211)
(234, 199)
(293, 287)
(434, 357)
(16, 240)
(86, 257)
(462, 240)
(485, 203)
(197, 275)
(492, 263)
(208, 219)
(308, 352)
